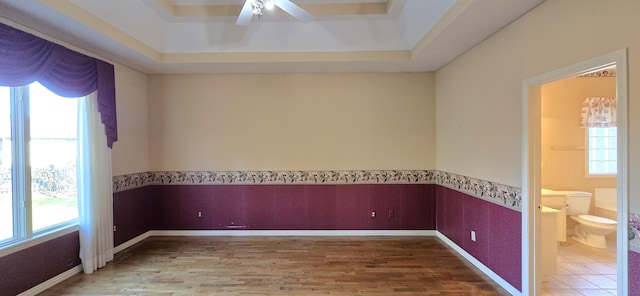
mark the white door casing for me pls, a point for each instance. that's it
(531, 168)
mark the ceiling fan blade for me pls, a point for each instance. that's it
(245, 14)
(293, 10)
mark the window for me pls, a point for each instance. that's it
(602, 149)
(38, 131)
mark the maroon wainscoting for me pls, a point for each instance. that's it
(287, 213)
(498, 231)
(289, 207)
(348, 198)
(385, 201)
(416, 211)
(476, 215)
(505, 244)
(320, 207)
(450, 212)
(30, 267)
(134, 212)
(177, 207)
(634, 273)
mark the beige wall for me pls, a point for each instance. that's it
(292, 121)
(561, 109)
(130, 154)
(478, 95)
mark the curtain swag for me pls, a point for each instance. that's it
(598, 112)
(25, 58)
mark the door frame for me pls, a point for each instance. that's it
(531, 166)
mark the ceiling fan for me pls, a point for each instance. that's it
(255, 7)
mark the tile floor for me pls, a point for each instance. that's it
(583, 270)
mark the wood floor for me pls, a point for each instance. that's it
(284, 266)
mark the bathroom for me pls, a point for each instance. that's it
(585, 256)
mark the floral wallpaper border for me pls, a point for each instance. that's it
(634, 232)
(602, 73)
(507, 196)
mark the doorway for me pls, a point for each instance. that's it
(532, 167)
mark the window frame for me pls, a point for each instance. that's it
(23, 234)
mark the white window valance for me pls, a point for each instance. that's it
(598, 112)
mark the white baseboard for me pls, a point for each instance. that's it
(52, 281)
(486, 270)
(292, 233)
(131, 242)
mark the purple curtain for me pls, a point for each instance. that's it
(25, 58)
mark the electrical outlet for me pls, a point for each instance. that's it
(199, 214)
(114, 228)
(473, 235)
(391, 214)
(373, 214)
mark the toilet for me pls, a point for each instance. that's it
(590, 229)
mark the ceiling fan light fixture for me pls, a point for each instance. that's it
(269, 4)
(253, 8)
(258, 5)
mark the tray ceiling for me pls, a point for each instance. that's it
(200, 36)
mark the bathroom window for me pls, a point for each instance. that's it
(602, 151)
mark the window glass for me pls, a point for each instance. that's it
(602, 152)
(6, 187)
(53, 130)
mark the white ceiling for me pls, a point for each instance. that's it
(200, 36)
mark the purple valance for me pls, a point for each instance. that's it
(25, 58)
